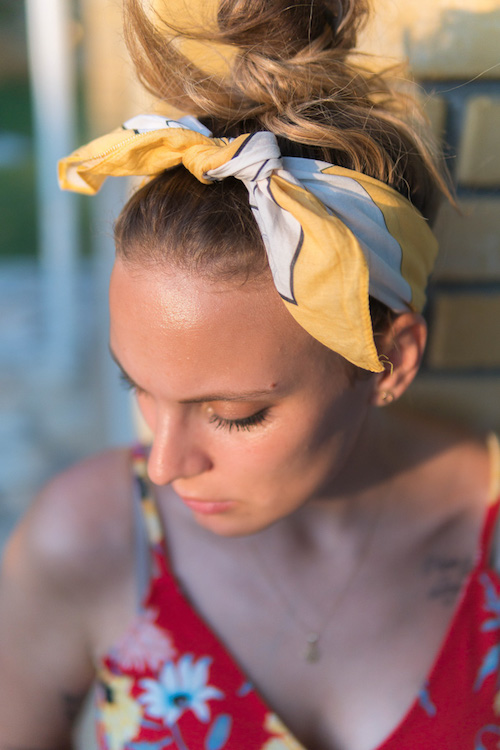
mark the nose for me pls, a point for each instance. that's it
(177, 451)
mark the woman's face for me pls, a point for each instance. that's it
(251, 416)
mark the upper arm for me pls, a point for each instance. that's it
(52, 581)
(45, 669)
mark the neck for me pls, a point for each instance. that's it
(373, 480)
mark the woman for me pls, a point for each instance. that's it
(289, 546)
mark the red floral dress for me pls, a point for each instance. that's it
(170, 683)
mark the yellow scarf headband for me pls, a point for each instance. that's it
(333, 236)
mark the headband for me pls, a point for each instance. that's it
(332, 236)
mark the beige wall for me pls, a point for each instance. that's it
(111, 90)
(444, 38)
(453, 49)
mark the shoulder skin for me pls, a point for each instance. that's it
(67, 555)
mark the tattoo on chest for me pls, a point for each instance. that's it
(446, 576)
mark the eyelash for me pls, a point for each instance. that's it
(239, 424)
(126, 383)
(254, 420)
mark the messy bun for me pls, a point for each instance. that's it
(292, 69)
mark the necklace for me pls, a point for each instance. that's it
(312, 650)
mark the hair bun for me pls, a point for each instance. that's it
(288, 67)
(281, 29)
(288, 53)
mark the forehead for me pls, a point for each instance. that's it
(198, 330)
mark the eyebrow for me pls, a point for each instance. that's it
(229, 396)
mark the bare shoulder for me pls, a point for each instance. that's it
(80, 527)
(446, 455)
(464, 482)
(447, 471)
(69, 551)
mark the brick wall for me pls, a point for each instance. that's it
(453, 51)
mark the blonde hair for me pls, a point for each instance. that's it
(295, 72)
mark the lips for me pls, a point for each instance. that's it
(205, 506)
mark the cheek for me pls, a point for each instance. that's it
(309, 442)
(289, 447)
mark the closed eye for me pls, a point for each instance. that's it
(127, 382)
(246, 423)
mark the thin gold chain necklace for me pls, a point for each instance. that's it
(312, 650)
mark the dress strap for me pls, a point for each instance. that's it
(493, 444)
(490, 538)
(489, 534)
(149, 510)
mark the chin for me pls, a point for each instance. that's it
(227, 525)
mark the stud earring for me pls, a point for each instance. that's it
(387, 397)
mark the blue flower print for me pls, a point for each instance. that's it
(491, 661)
(481, 736)
(491, 604)
(180, 687)
(425, 701)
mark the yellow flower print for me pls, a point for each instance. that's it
(283, 740)
(120, 714)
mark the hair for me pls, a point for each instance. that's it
(294, 71)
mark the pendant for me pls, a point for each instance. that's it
(312, 650)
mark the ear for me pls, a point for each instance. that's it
(401, 351)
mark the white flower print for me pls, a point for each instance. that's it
(180, 687)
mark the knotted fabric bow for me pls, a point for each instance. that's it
(333, 236)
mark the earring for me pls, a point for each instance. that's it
(387, 397)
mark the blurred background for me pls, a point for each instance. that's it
(64, 77)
